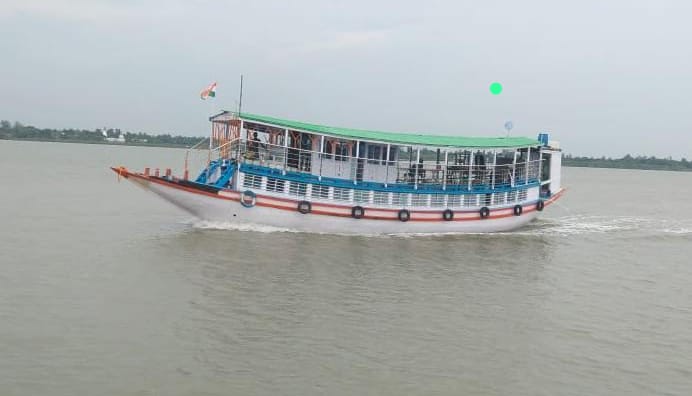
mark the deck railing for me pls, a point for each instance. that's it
(424, 175)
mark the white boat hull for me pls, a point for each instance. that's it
(225, 206)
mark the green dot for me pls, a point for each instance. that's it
(495, 88)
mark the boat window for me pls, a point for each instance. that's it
(297, 188)
(342, 194)
(374, 154)
(393, 154)
(252, 181)
(327, 150)
(274, 184)
(342, 151)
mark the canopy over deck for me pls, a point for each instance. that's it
(409, 139)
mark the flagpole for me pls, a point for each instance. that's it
(210, 107)
(240, 102)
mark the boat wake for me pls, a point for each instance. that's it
(576, 225)
(559, 226)
(229, 226)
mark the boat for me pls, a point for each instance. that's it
(268, 171)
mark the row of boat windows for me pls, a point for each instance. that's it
(318, 191)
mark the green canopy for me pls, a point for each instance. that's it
(412, 139)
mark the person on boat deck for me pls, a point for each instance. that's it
(253, 146)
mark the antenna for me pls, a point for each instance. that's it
(240, 102)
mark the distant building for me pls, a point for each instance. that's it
(119, 139)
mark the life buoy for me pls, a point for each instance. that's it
(448, 215)
(357, 212)
(404, 215)
(248, 198)
(518, 209)
(304, 207)
(540, 205)
(484, 212)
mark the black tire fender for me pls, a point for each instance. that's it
(540, 205)
(484, 212)
(248, 198)
(357, 212)
(304, 207)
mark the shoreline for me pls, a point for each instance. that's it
(76, 141)
(566, 163)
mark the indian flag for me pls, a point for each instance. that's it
(208, 91)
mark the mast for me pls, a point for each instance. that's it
(240, 100)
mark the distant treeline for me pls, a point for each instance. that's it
(629, 162)
(18, 131)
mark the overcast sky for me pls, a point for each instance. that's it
(603, 77)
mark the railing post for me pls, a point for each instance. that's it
(444, 172)
(540, 164)
(320, 156)
(494, 169)
(415, 171)
(514, 168)
(285, 151)
(355, 174)
(386, 167)
(471, 170)
(528, 159)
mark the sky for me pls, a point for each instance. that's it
(604, 78)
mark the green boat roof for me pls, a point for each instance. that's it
(414, 139)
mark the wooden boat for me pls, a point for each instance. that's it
(316, 178)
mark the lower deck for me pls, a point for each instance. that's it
(275, 185)
(301, 186)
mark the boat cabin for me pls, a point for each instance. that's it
(285, 157)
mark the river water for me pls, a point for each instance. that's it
(107, 290)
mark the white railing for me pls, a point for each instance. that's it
(385, 199)
(425, 174)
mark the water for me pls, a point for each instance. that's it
(105, 289)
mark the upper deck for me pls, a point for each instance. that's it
(375, 160)
(397, 138)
